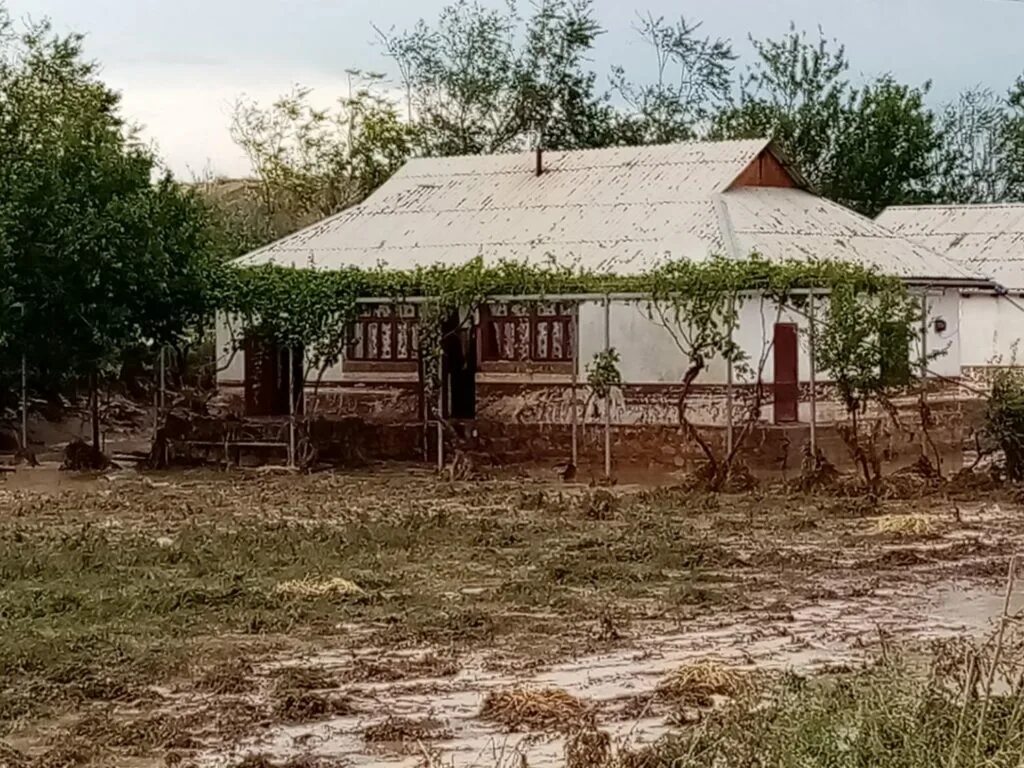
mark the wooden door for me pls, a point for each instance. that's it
(787, 373)
(260, 376)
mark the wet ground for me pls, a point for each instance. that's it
(807, 639)
(458, 591)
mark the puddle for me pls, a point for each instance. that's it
(810, 638)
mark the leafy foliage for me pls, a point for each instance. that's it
(603, 374)
(865, 147)
(889, 715)
(482, 80)
(693, 76)
(98, 257)
(311, 162)
(975, 165)
(1004, 420)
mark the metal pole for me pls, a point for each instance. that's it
(924, 368)
(291, 406)
(814, 384)
(575, 341)
(608, 398)
(729, 400)
(24, 385)
(440, 416)
(163, 381)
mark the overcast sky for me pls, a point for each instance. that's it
(181, 63)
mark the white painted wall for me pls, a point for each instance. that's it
(991, 331)
(979, 329)
(230, 357)
(650, 355)
(946, 306)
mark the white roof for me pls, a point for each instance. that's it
(986, 238)
(623, 209)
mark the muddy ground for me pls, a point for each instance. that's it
(369, 618)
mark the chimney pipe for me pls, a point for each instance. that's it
(540, 160)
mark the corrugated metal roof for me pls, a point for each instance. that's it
(623, 209)
(791, 223)
(986, 238)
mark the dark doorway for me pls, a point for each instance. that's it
(787, 373)
(459, 368)
(266, 377)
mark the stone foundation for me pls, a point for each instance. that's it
(531, 423)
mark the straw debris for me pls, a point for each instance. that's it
(536, 709)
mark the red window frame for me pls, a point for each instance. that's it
(400, 319)
(493, 327)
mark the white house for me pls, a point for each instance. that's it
(620, 209)
(989, 240)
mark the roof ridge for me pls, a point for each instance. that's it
(585, 150)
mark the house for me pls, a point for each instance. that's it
(989, 240)
(619, 209)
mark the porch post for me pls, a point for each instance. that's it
(814, 386)
(291, 405)
(608, 398)
(575, 341)
(729, 401)
(924, 366)
(163, 381)
(440, 416)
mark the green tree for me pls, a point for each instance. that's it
(693, 78)
(309, 162)
(865, 147)
(885, 149)
(864, 343)
(483, 80)
(974, 162)
(99, 258)
(1013, 138)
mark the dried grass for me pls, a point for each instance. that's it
(295, 706)
(536, 709)
(404, 730)
(290, 679)
(916, 524)
(588, 748)
(313, 587)
(297, 761)
(231, 678)
(698, 684)
(394, 670)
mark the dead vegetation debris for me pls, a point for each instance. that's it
(914, 524)
(298, 706)
(79, 456)
(536, 709)
(232, 677)
(401, 730)
(588, 747)
(299, 678)
(392, 670)
(296, 761)
(599, 505)
(699, 683)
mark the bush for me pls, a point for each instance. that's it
(1004, 420)
(888, 716)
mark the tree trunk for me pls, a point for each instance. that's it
(94, 404)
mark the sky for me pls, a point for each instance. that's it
(181, 64)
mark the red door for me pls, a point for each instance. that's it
(787, 373)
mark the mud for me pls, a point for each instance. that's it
(807, 639)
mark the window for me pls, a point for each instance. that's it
(385, 333)
(528, 332)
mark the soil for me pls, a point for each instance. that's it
(370, 617)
